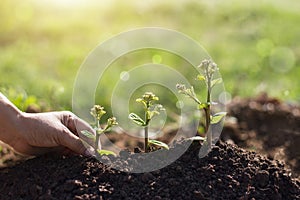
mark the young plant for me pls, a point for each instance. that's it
(209, 68)
(97, 112)
(151, 110)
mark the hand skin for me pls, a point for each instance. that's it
(40, 133)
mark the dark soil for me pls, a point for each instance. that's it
(228, 172)
(264, 125)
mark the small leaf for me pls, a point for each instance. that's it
(216, 81)
(105, 152)
(203, 105)
(198, 138)
(159, 143)
(139, 100)
(136, 119)
(216, 118)
(155, 98)
(201, 130)
(201, 78)
(88, 134)
(152, 113)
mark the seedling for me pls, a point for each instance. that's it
(97, 112)
(151, 110)
(209, 68)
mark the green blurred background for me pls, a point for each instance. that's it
(256, 43)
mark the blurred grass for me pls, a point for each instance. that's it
(43, 42)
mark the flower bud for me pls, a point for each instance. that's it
(97, 111)
(112, 121)
(149, 96)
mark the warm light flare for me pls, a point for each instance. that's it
(74, 3)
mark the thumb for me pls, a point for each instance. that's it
(81, 125)
(75, 125)
(73, 142)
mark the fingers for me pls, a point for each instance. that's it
(75, 124)
(70, 136)
(71, 141)
(78, 125)
(68, 121)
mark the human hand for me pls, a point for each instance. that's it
(39, 133)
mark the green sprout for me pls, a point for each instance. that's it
(97, 112)
(209, 68)
(151, 110)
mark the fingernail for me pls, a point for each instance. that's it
(88, 153)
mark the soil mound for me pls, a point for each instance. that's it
(265, 125)
(228, 172)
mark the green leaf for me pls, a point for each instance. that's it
(201, 77)
(152, 114)
(216, 118)
(105, 152)
(203, 105)
(216, 81)
(159, 143)
(155, 98)
(201, 130)
(136, 119)
(88, 134)
(199, 138)
(140, 100)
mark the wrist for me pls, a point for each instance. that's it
(10, 121)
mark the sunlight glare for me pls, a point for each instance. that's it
(74, 3)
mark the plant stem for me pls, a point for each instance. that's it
(147, 120)
(97, 135)
(96, 141)
(146, 139)
(207, 115)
